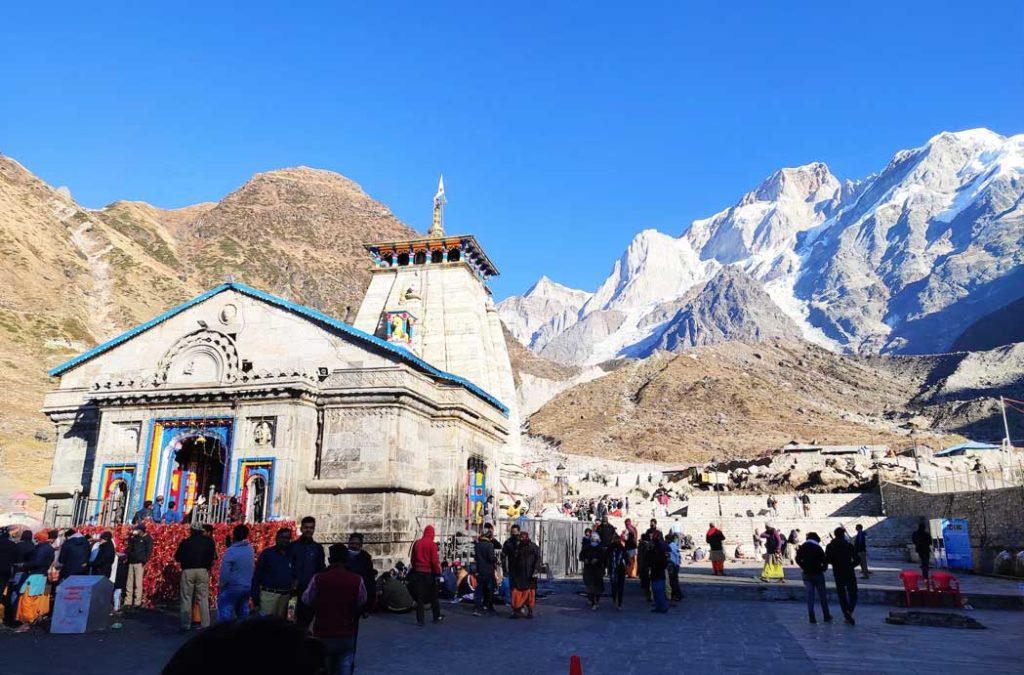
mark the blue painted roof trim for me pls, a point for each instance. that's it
(309, 313)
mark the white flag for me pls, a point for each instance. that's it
(439, 197)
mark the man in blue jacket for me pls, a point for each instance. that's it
(273, 581)
(236, 570)
(307, 559)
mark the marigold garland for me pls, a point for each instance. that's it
(160, 584)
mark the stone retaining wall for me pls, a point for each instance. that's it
(995, 517)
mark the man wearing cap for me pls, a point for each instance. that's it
(138, 551)
(337, 597)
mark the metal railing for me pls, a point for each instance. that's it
(81, 510)
(559, 540)
(1006, 477)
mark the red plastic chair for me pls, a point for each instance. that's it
(912, 587)
(943, 584)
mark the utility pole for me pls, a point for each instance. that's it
(1006, 426)
(917, 456)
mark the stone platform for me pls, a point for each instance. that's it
(883, 588)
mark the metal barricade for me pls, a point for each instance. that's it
(994, 479)
(559, 540)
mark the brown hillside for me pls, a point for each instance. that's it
(726, 401)
(294, 232)
(72, 277)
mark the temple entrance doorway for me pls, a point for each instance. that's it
(116, 503)
(256, 499)
(198, 469)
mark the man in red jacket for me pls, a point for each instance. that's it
(336, 597)
(426, 568)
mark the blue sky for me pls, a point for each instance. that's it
(562, 129)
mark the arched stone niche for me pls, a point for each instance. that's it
(205, 356)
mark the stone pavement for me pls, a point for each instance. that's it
(709, 634)
(884, 575)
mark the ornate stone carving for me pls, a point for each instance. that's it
(263, 432)
(228, 314)
(203, 356)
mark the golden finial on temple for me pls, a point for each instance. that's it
(437, 228)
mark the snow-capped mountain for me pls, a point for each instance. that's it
(544, 311)
(902, 261)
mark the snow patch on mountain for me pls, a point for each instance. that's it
(903, 260)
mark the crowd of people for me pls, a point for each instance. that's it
(34, 564)
(327, 595)
(653, 557)
(589, 510)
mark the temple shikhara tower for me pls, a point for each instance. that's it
(430, 296)
(239, 399)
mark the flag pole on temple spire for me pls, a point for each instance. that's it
(437, 228)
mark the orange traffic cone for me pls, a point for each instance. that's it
(575, 665)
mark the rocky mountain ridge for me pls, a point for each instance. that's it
(903, 261)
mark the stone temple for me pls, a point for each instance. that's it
(403, 418)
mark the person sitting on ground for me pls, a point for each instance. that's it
(449, 579)
(466, 586)
(394, 592)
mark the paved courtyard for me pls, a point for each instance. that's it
(708, 634)
(884, 574)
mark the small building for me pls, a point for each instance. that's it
(968, 448)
